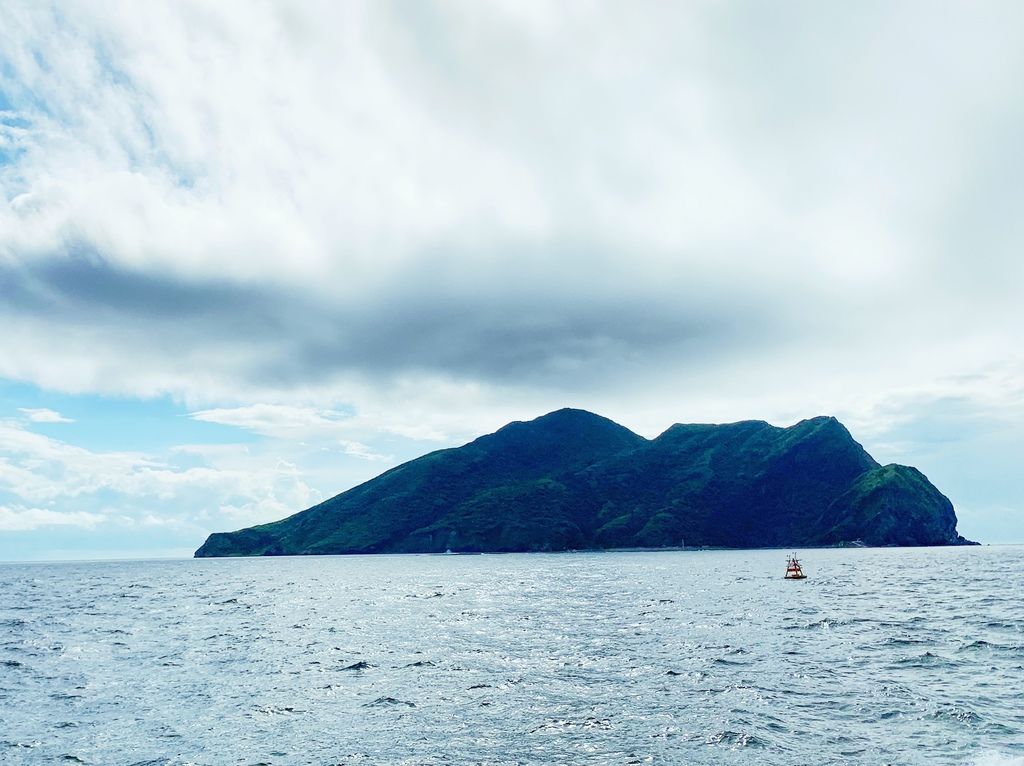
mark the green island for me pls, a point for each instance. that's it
(573, 480)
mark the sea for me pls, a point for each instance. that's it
(881, 656)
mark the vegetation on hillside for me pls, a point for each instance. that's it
(572, 479)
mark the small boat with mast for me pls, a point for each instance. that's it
(793, 570)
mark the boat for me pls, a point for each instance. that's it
(793, 570)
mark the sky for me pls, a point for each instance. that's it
(254, 253)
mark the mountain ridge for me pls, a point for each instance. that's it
(572, 479)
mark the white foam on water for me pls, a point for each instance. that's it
(996, 759)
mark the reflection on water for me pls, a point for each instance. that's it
(881, 656)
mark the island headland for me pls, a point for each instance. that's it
(575, 480)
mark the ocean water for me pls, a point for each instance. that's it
(880, 657)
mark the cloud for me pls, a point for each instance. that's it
(275, 420)
(41, 476)
(361, 451)
(350, 223)
(16, 519)
(292, 423)
(561, 199)
(43, 415)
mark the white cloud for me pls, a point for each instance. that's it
(117, 486)
(583, 193)
(348, 223)
(19, 519)
(277, 420)
(43, 415)
(361, 451)
(293, 423)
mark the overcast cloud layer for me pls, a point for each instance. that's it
(343, 224)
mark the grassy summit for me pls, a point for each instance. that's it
(572, 479)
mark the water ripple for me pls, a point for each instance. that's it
(882, 656)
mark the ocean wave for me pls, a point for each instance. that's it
(747, 674)
(735, 739)
(992, 758)
(981, 644)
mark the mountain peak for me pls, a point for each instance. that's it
(819, 421)
(565, 431)
(571, 414)
(691, 429)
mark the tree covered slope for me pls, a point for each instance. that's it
(572, 479)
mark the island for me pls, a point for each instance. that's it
(573, 480)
